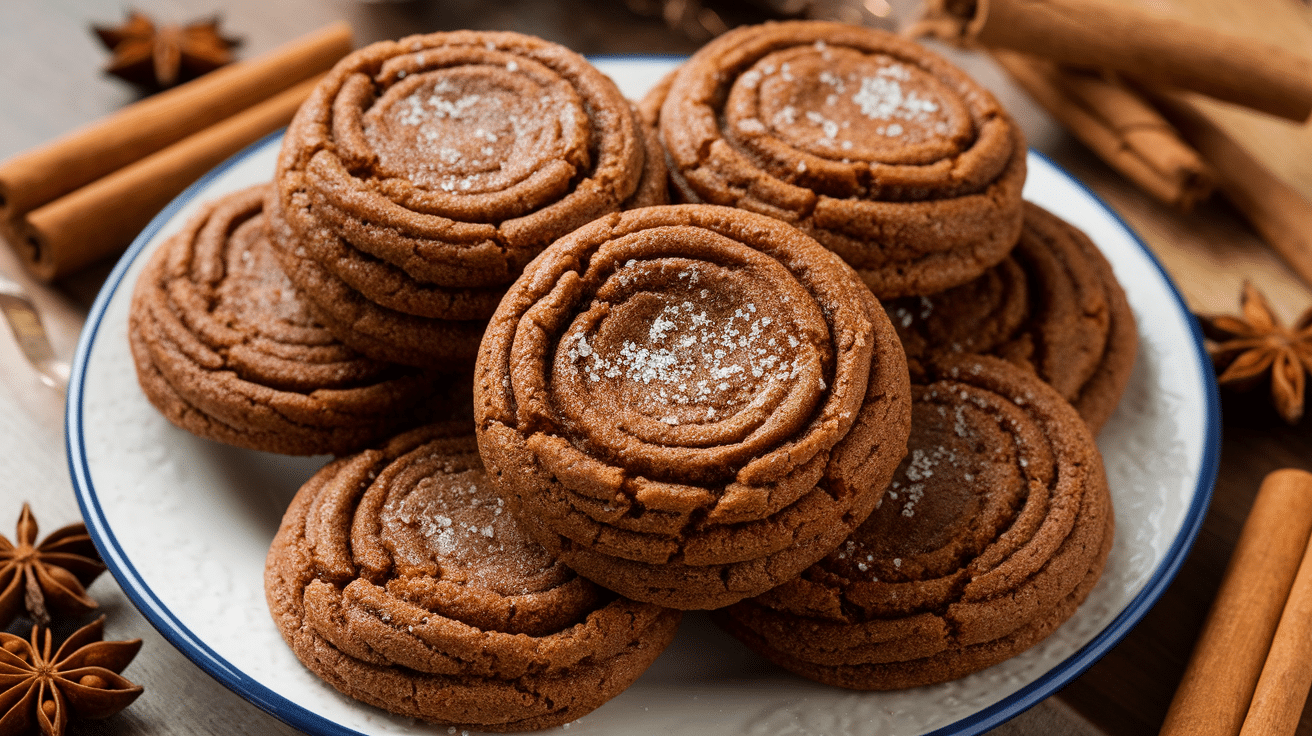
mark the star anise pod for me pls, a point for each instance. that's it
(162, 56)
(1247, 350)
(50, 577)
(82, 679)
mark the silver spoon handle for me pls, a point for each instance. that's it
(25, 322)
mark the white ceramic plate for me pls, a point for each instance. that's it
(184, 523)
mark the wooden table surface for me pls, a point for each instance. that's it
(50, 82)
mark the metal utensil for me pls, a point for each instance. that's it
(26, 325)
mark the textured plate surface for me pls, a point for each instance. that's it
(184, 523)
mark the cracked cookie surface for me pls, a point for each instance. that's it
(995, 528)
(880, 149)
(398, 577)
(690, 403)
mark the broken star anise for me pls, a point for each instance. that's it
(1247, 350)
(162, 56)
(50, 577)
(82, 679)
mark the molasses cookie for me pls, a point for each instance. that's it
(422, 174)
(1053, 305)
(226, 349)
(881, 150)
(690, 404)
(398, 578)
(994, 529)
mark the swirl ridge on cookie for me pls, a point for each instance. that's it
(399, 578)
(995, 528)
(225, 347)
(1053, 306)
(690, 402)
(422, 174)
(880, 149)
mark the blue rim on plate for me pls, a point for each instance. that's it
(297, 716)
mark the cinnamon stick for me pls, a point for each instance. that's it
(1286, 677)
(1278, 212)
(1149, 48)
(1222, 674)
(1118, 125)
(104, 216)
(39, 176)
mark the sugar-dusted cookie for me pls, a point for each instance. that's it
(226, 349)
(1053, 305)
(995, 528)
(398, 577)
(422, 174)
(690, 403)
(883, 151)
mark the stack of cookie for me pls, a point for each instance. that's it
(228, 350)
(422, 175)
(398, 578)
(690, 404)
(344, 303)
(696, 406)
(912, 173)
(998, 521)
(1052, 305)
(884, 152)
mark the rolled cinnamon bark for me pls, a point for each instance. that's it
(1148, 47)
(1277, 211)
(39, 176)
(104, 216)
(1118, 125)
(1282, 690)
(1223, 672)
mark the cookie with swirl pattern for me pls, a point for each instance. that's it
(422, 174)
(995, 528)
(399, 578)
(690, 403)
(1053, 306)
(225, 348)
(877, 147)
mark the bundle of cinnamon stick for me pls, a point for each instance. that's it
(1249, 672)
(1115, 77)
(86, 195)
